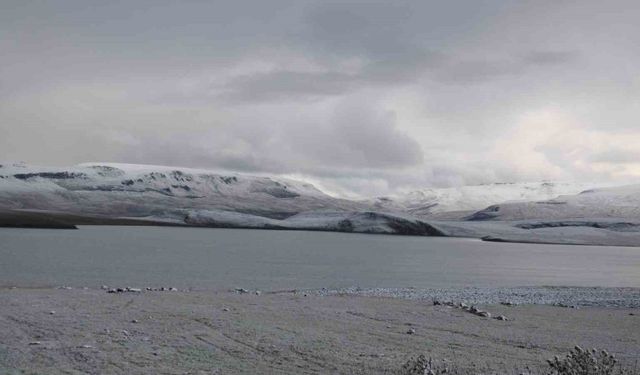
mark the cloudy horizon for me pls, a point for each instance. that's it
(362, 98)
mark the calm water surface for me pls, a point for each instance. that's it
(224, 258)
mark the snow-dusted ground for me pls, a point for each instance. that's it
(522, 212)
(335, 221)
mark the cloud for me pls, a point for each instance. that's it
(286, 85)
(616, 156)
(357, 137)
(551, 57)
(361, 97)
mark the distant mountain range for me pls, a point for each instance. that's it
(465, 199)
(129, 193)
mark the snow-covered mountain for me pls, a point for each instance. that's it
(103, 193)
(191, 197)
(429, 202)
(128, 190)
(615, 202)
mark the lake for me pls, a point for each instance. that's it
(206, 258)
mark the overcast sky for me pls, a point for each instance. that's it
(359, 97)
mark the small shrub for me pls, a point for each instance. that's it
(578, 362)
(423, 366)
(584, 362)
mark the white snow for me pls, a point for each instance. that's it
(428, 202)
(617, 202)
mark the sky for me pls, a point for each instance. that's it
(361, 98)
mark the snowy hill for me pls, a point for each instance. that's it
(430, 202)
(189, 197)
(617, 202)
(128, 190)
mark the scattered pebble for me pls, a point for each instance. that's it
(35, 343)
(124, 290)
(134, 321)
(226, 309)
(463, 306)
(411, 331)
(52, 312)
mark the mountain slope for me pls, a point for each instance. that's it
(431, 202)
(164, 192)
(617, 202)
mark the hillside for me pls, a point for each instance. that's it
(127, 190)
(465, 199)
(617, 202)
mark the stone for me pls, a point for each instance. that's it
(501, 317)
(411, 331)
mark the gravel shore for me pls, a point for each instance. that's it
(558, 296)
(91, 331)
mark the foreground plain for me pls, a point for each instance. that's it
(77, 331)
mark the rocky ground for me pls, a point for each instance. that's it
(78, 331)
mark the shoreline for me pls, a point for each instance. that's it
(560, 296)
